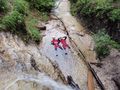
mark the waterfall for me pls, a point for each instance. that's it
(41, 79)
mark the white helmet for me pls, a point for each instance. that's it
(53, 36)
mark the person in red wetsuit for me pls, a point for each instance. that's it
(56, 42)
(64, 43)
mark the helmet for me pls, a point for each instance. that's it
(53, 37)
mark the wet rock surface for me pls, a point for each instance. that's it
(15, 60)
(70, 64)
(109, 71)
(18, 59)
(36, 67)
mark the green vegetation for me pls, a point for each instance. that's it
(98, 14)
(104, 43)
(13, 20)
(3, 5)
(115, 15)
(21, 20)
(96, 8)
(42, 5)
(21, 6)
(31, 22)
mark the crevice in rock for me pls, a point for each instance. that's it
(34, 65)
(58, 71)
(117, 81)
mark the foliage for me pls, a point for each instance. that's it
(44, 16)
(104, 43)
(13, 20)
(3, 5)
(33, 32)
(21, 6)
(97, 14)
(115, 15)
(73, 1)
(42, 5)
(96, 8)
(16, 22)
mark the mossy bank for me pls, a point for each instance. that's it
(21, 17)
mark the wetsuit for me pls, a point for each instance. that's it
(64, 44)
(56, 44)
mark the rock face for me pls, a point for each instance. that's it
(36, 67)
(15, 61)
(109, 72)
(76, 30)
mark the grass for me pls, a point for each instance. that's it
(21, 6)
(31, 23)
(104, 43)
(21, 20)
(12, 20)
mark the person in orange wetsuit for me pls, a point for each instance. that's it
(56, 42)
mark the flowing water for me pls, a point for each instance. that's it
(40, 79)
(70, 64)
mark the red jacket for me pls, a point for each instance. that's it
(63, 42)
(55, 43)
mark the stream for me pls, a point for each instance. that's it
(69, 64)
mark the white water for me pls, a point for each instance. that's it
(41, 79)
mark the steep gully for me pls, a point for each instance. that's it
(70, 64)
(36, 66)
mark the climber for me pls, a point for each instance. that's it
(72, 83)
(56, 42)
(63, 42)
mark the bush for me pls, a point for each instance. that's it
(3, 5)
(13, 20)
(19, 22)
(42, 5)
(98, 14)
(104, 43)
(21, 6)
(33, 32)
(115, 15)
(96, 8)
